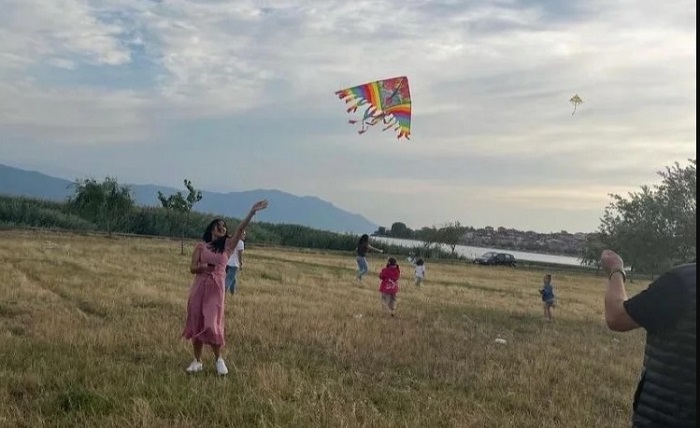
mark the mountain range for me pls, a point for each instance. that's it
(284, 207)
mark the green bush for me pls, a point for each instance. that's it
(36, 213)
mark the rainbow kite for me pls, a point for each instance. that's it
(388, 101)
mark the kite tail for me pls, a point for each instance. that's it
(370, 113)
(376, 119)
(390, 123)
(363, 129)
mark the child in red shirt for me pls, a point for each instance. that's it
(389, 286)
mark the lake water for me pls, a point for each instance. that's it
(473, 252)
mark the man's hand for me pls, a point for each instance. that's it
(610, 261)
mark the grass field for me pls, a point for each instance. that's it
(91, 338)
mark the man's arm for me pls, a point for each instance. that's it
(616, 316)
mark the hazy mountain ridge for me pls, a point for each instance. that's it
(284, 207)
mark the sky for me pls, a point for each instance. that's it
(239, 95)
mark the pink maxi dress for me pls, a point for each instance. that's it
(205, 305)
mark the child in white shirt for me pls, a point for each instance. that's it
(420, 272)
(234, 265)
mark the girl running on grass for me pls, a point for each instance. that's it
(389, 286)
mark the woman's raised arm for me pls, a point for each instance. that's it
(232, 241)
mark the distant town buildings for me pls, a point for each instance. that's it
(564, 243)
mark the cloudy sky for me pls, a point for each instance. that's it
(239, 95)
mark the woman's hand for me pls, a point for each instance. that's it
(232, 240)
(205, 269)
(259, 206)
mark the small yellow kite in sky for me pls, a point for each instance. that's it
(575, 100)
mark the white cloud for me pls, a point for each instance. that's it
(75, 116)
(38, 29)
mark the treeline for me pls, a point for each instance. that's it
(108, 207)
(654, 228)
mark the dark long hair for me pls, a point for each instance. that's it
(364, 239)
(217, 245)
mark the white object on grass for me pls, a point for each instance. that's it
(501, 341)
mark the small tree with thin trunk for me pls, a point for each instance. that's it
(451, 234)
(182, 205)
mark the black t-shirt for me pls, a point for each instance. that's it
(362, 250)
(664, 301)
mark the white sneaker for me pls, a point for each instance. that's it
(221, 367)
(195, 366)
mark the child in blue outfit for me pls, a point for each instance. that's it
(547, 292)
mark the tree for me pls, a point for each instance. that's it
(400, 230)
(592, 249)
(430, 236)
(105, 204)
(182, 205)
(381, 231)
(677, 194)
(634, 228)
(451, 234)
(655, 228)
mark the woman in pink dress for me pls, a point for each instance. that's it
(205, 306)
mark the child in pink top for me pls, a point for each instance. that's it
(389, 286)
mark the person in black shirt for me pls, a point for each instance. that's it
(666, 395)
(361, 251)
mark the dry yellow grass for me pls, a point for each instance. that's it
(91, 338)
